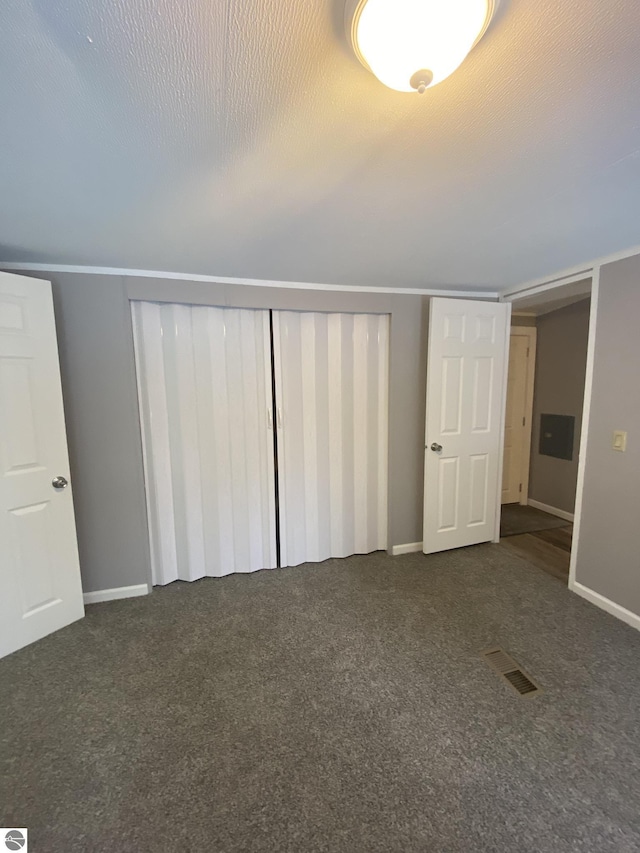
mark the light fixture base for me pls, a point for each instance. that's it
(421, 80)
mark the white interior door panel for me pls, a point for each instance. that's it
(40, 587)
(465, 405)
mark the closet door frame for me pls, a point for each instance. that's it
(276, 423)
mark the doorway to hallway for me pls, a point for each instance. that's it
(547, 369)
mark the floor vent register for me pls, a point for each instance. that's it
(512, 673)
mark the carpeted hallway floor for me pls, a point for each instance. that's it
(339, 707)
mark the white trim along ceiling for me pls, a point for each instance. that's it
(251, 282)
(555, 279)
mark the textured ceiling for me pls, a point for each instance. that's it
(239, 138)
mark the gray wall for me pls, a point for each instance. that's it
(608, 559)
(561, 360)
(99, 387)
(95, 344)
(96, 352)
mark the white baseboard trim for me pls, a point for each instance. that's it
(116, 592)
(552, 510)
(611, 607)
(409, 548)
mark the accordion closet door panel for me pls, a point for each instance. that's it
(331, 377)
(205, 391)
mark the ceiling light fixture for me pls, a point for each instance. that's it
(412, 44)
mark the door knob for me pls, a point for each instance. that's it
(436, 447)
(59, 483)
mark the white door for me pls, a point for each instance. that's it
(40, 588)
(517, 427)
(204, 384)
(464, 421)
(331, 375)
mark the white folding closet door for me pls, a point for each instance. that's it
(331, 373)
(204, 381)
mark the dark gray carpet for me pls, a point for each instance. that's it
(516, 519)
(339, 707)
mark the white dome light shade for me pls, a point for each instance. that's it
(398, 39)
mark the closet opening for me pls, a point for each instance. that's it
(264, 436)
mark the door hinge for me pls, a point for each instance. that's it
(520, 487)
(524, 421)
(527, 352)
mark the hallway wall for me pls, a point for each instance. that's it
(561, 359)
